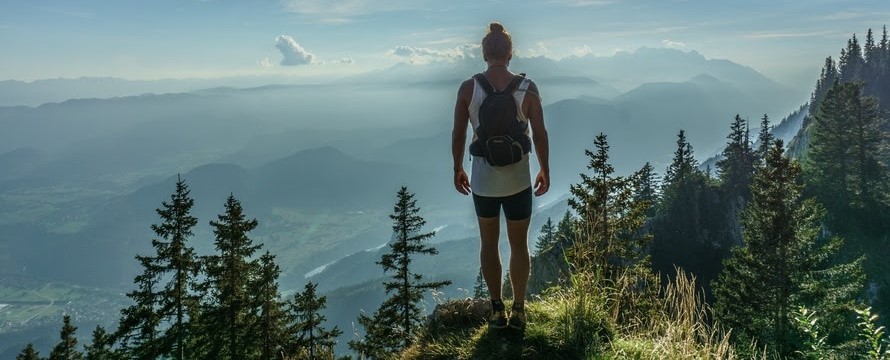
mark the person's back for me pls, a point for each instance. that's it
(496, 184)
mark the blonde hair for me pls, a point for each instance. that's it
(497, 43)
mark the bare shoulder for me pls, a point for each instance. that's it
(465, 92)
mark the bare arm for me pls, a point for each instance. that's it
(535, 114)
(459, 136)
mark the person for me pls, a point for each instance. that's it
(495, 187)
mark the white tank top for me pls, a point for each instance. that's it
(497, 181)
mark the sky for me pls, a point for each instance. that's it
(785, 40)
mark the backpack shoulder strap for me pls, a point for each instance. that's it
(514, 84)
(483, 82)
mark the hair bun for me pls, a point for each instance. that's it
(496, 27)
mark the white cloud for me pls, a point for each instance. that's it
(538, 50)
(346, 61)
(786, 34)
(582, 3)
(293, 54)
(581, 50)
(340, 11)
(673, 44)
(422, 55)
(265, 63)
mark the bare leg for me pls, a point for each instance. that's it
(489, 229)
(517, 233)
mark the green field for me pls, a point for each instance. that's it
(24, 307)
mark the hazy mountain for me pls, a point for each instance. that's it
(20, 161)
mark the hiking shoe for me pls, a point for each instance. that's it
(498, 320)
(517, 319)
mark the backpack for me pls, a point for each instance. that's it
(500, 136)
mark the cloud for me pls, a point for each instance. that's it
(293, 54)
(673, 44)
(538, 50)
(341, 11)
(580, 51)
(265, 63)
(423, 55)
(786, 34)
(582, 3)
(346, 61)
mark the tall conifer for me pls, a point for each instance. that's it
(784, 264)
(228, 314)
(66, 349)
(308, 334)
(28, 353)
(393, 326)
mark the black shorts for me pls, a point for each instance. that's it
(516, 207)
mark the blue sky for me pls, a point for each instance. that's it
(785, 40)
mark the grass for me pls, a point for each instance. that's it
(578, 322)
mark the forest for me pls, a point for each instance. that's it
(777, 252)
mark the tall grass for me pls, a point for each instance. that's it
(580, 321)
(679, 328)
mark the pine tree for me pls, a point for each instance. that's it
(28, 353)
(691, 230)
(480, 290)
(177, 261)
(828, 77)
(565, 230)
(547, 237)
(646, 188)
(871, 49)
(610, 218)
(846, 140)
(610, 239)
(227, 314)
(785, 263)
(884, 40)
(394, 324)
(100, 347)
(138, 326)
(272, 319)
(764, 139)
(67, 348)
(851, 64)
(737, 166)
(682, 168)
(507, 286)
(308, 333)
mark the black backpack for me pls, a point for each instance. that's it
(500, 136)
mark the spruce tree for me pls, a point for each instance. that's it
(764, 139)
(737, 166)
(137, 330)
(842, 161)
(100, 347)
(610, 217)
(394, 324)
(646, 188)
(610, 237)
(177, 261)
(228, 314)
(784, 264)
(28, 353)
(691, 229)
(547, 237)
(565, 231)
(480, 290)
(66, 349)
(272, 319)
(308, 335)
(826, 80)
